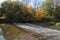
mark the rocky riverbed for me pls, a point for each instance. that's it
(40, 33)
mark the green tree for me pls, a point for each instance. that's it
(48, 5)
(57, 12)
(16, 11)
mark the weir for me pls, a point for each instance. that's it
(40, 33)
(28, 32)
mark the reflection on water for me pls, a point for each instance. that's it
(11, 32)
(1, 37)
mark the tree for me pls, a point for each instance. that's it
(2, 11)
(57, 12)
(36, 4)
(39, 14)
(57, 9)
(16, 11)
(49, 8)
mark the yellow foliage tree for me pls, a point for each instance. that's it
(39, 14)
(30, 9)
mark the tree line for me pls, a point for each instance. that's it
(17, 11)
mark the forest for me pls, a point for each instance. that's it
(21, 12)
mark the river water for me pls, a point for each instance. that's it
(12, 32)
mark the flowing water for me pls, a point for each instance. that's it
(12, 32)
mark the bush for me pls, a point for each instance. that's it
(57, 24)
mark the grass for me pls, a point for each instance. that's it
(56, 26)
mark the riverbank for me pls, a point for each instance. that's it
(12, 32)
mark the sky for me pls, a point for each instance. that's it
(31, 4)
(32, 0)
(1, 1)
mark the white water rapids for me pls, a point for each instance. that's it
(43, 33)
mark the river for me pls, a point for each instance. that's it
(12, 32)
(27, 31)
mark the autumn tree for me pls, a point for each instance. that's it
(39, 14)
